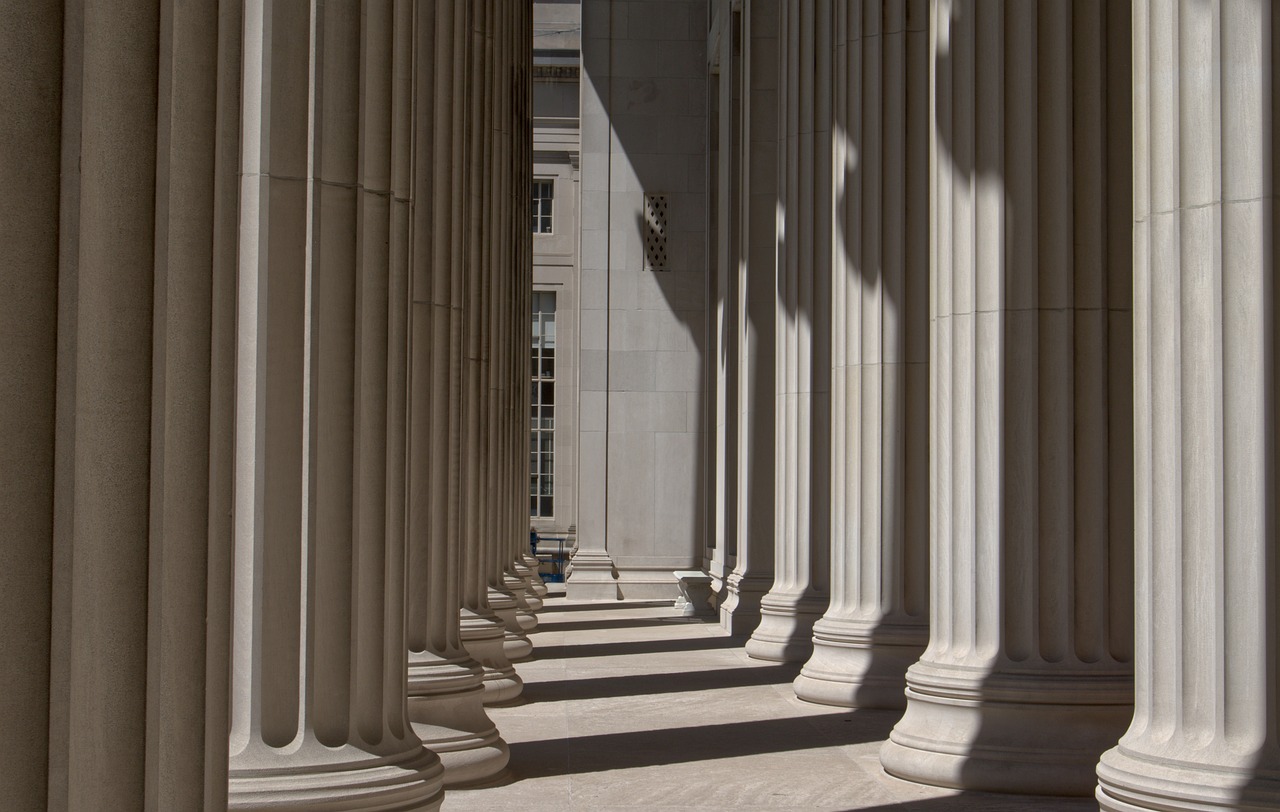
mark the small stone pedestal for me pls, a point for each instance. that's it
(695, 594)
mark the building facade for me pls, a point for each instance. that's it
(942, 333)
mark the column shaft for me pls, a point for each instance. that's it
(1204, 734)
(30, 93)
(803, 339)
(756, 296)
(1027, 676)
(876, 625)
(319, 583)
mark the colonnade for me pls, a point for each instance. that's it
(264, 402)
(1022, 452)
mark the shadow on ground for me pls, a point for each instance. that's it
(650, 684)
(561, 652)
(551, 605)
(650, 748)
(626, 623)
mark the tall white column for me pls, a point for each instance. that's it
(1204, 734)
(756, 296)
(803, 339)
(1027, 677)
(722, 364)
(877, 623)
(318, 712)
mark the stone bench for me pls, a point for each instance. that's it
(695, 594)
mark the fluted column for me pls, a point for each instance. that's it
(722, 364)
(318, 711)
(1204, 734)
(803, 350)
(877, 623)
(1027, 675)
(30, 92)
(755, 300)
(522, 175)
(445, 689)
(495, 352)
(483, 631)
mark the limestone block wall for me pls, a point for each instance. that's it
(643, 407)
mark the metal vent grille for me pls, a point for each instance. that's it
(655, 233)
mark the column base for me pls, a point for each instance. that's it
(526, 596)
(593, 578)
(1032, 734)
(483, 636)
(740, 612)
(856, 664)
(535, 580)
(785, 633)
(1132, 781)
(341, 779)
(446, 708)
(514, 643)
(525, 601)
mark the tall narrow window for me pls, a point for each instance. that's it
(542, 193)
(542, 408)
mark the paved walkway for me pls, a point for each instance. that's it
(628, 707)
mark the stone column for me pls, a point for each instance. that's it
(803, 339)
(495, 353)
(483, 631)
(592, 574)
(511, 461)
(1204, 734)
(522, 174)
(752, 573)
(1027, 675)
(30, 93)
(722, 364)
(446, 692)
(877, 623)
(318, 711)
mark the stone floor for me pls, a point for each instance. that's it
(628, 707)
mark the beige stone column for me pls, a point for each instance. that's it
(756, 296)
(483, 631)
(803, 338)
(722, 363)
(30, 93)
(511, 462)
(445, 688)
(877, 623)
(444, 683)
(522, 175)
(495, 501)
(318, 711)
(1204, 734)
(1027, 677)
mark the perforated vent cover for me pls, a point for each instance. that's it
(655, 233)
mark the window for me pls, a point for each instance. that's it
(542, 194)
(542, 406)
